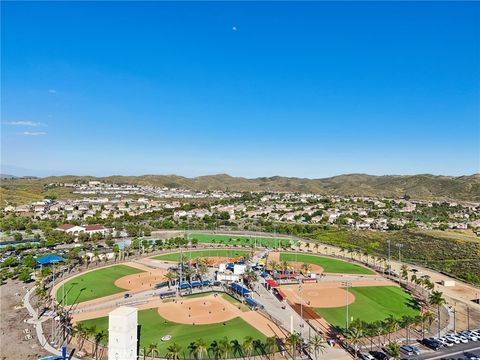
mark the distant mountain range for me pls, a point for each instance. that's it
(425, 186)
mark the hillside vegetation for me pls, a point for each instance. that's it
(426, 187)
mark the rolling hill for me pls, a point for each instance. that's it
(425, 186)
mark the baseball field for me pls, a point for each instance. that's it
(242, 240)
(227, 253)
(329, 265)
(372, 303)
(94, 284)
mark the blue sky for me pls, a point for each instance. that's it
(309, 89)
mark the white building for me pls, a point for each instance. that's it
(122, 333)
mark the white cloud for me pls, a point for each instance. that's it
(234, 28)
(22, 123)
(34, 133)
(52, 91)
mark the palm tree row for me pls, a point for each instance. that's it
(221, 349)
(359, 330)
(93, 335)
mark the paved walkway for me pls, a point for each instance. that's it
(37, 323)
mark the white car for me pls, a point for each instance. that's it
(452, 339)
(444, 342)
(470, 336)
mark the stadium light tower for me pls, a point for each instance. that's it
(346, 285)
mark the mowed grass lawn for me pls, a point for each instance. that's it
(153, 327)
(329, 265)
(242, 240)
(202, 253)
(372, 303)
(94, 284)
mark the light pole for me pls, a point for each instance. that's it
(346, 285)
(300, 290)
(389, 253)
(399, 246)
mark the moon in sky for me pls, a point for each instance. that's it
(234, 28)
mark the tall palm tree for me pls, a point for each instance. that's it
(404, 272)
(437, 299)
(236, 347)
(81, 332)
(170, 276)
(91, 332)
(426, 318)
(406, 322)
(392, 324)
(202, 270)
(273, 265)
(152, 350)
(271, 345)
(354, 335)
(284, 266)
(317, 343)
(247, 346)
(99, 337)
(258, 347)
(173, 352)
(316, 246)
(192, 349)
(224, 348)
(200, 348)
(413, 279)
(305, 268)
(213, 348)
(393, 349)
(292, 341)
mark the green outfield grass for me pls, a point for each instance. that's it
(373, 303)
(94, 284)
(329, 265)
(153, 327)
(242, 240)
(202, 253)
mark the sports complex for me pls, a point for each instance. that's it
(254, 288)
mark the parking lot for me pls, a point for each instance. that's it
(452, 346)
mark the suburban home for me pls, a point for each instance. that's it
(88, 229)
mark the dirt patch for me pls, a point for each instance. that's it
(297, 265)
(142, 281)
(12, 314)
(317, 296)
(204, 310)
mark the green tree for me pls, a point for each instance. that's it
(174, 351)
(437, 299)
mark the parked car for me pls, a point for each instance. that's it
(431, 343)
(126, 296)
(470, 335)
(365, 356)
(444, 341)
(379, 355)
(407, 349)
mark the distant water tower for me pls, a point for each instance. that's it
(122, 333)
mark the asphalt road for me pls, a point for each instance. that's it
(457, 352)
